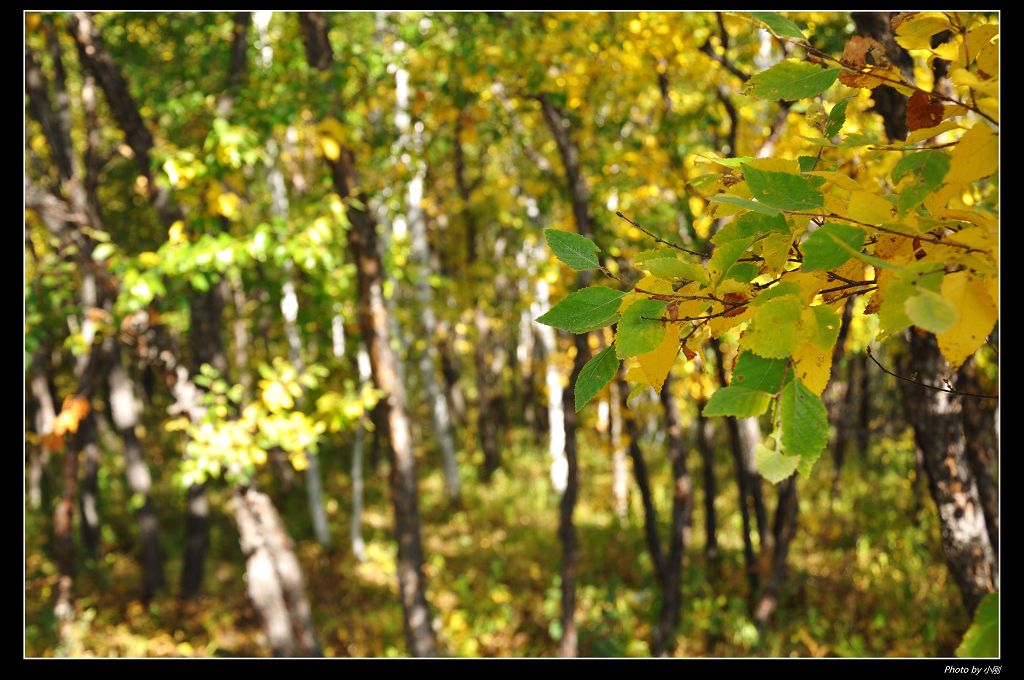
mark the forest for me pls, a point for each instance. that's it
(511, 334)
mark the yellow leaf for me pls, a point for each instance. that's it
(775, 252)
(149, 258)
(657, 363)
(652, 283)
(227, 204)
(810, 283)
(988, 60)
(813, 366)
(978, 39)
(835, 204)
(978, 315)
(915, 33)
(869, 208)
(176, 234)
(928, 133)
(964, 78)
(776, 165)
(330, 148)
(841, 180)
(976, 155)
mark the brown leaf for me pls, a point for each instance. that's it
(923, 111)
(861, 51)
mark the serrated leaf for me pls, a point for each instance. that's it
(773, 465)
(639, 332)
(725, 256)
(584, 310)
(896, 289)
(784, 190)
(975, 156)
(778, 290)
(775, 331)
(869, 208)
(775, 251)
(736, 401)
(790, 80)
(804, 421)
(820, 325)
(822, 250)
(750, 224)
(594, 375)
(745, 203)
(754, 372)
(931, 311)
(836, 118)
(928, 169)
(779, 25)
(982, 638)
(574, 250)
(977, 317)
(673, 268)
(813, 366)
(657, 363)
(742, 272)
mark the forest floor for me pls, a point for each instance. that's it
(867, 577)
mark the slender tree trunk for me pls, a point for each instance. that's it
(412, 139)
(373, 321)
(784, 529)
(679, 534)
(43, 419)
(355, 525)
(274, 577)
(750, 436)
(863, 412)
(579, 195)
(736, 445)
(938, 430)
(124, 410)
(643, 483)
(557, 433)
(88, 500)
(836, 398)
(620, 472)
(704, 438)
(64, 550)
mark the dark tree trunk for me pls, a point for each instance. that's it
(938, 430)
(643, 483)
(783, 528)
(124, 413)
(836, 392)
(704, 438)
(373, 322)
(579, 194)
(736, 446)
(680, 531)
(863, 412)
(88, 499)
(979, 437)
(889, 103)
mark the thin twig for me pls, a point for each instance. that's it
(661, 240)
(931, 387)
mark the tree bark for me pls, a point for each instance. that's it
(938, 430)
(664, 642)
(373, 322)
(274, 577)
(979, 438)
(784, 528)
(704, 438)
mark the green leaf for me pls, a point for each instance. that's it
(790, 80)
(725, 256)
(639, 335)
(744, 203)
(931, 311)
(807, 163)
(804, 422)
(673, 268)
(736, 401)
(102, 251)
(892, 317)
(780, 25)
(754, 372)
(594, 375)
(824, 332)
(742, 271)
(775, 332)
(578, 252)
(773, 465)
(928, 169)
(584, 310)
(982, 638)
(784, 190)
(778, 290)
(836, 118)
(750, 224)
(822, 250)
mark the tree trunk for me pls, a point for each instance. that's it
(783, 529)
(836, 399)
(979, 438)
(736, 446)
(620, 473)
(704, 438)
(750, 436)
(124, 410)
(373, 321)
(679, 534)
(273, 576)
(938, 430)
(643, 483)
